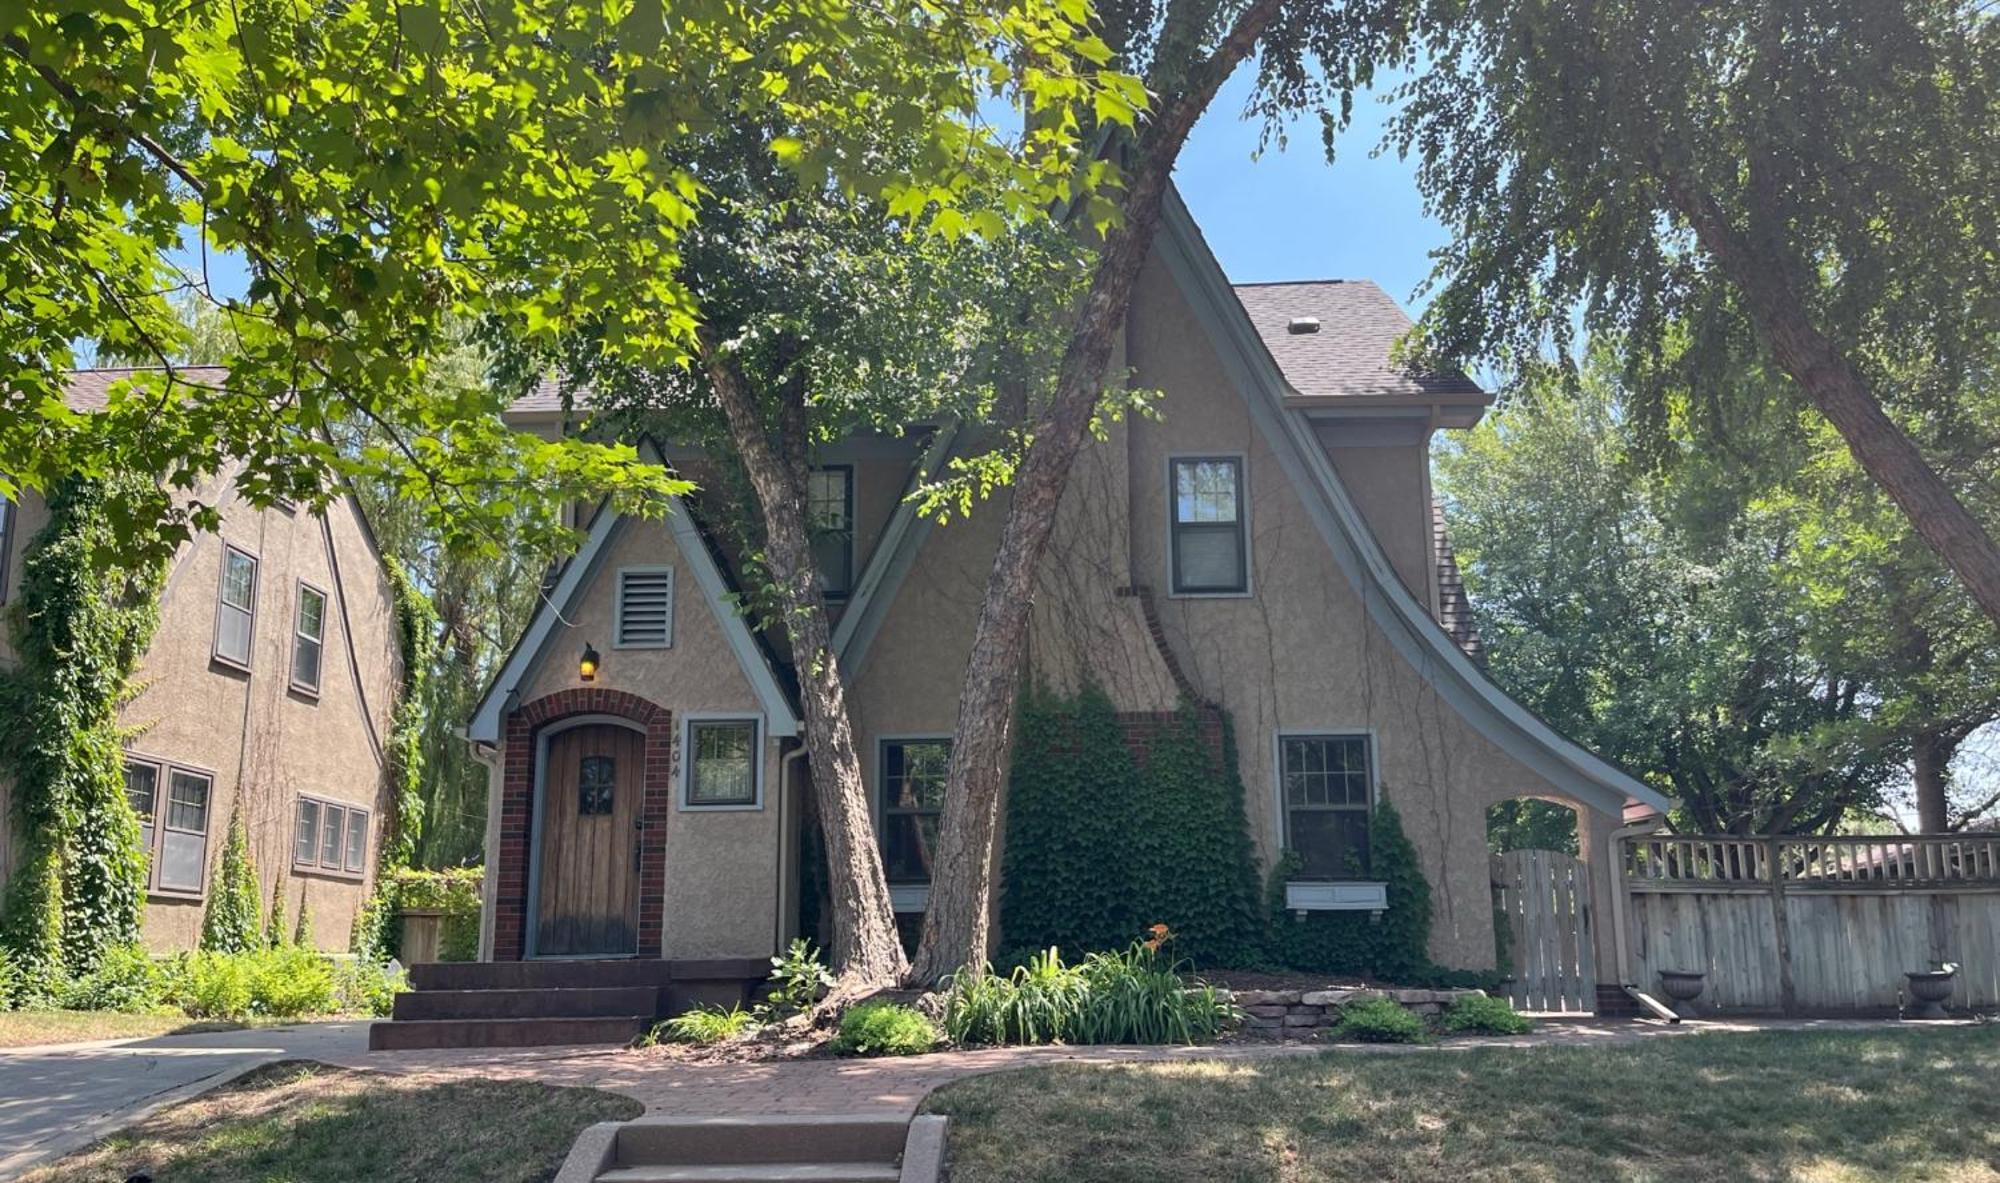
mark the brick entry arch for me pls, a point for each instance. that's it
(517, 810)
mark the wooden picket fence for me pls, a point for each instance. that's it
(1544, 898)
(1814, 925)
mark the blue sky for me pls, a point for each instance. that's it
(1291, 215)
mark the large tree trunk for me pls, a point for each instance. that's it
(866, 951)
(957, 922)
(1833, 384)
(1930, 771)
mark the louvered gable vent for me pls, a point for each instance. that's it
(645, 607)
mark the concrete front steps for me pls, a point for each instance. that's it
(550, 1003)
(809, 1149)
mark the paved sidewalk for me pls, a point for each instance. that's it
(55, 1099)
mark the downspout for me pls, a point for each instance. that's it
(785, 764)
(488, 755)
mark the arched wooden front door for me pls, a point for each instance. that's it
(587, 871)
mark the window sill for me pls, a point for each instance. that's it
(1336, 896)
(1209, 595)
(909, 897)
(319, 872)
(721, 807)
(302, 691)
(228, 665)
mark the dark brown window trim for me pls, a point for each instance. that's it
(221, 581)
(846, 471)
(302, 689)
(316, 868)
(162, 796)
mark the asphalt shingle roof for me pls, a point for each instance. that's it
(90, 390)
(1349, 355)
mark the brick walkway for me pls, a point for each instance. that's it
(897, 1085)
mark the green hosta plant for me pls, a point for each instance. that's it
(883, 1028)
(1483, 1014)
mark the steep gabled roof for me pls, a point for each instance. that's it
(539, 641)
(90, 390)
(1348, 354)
(1454, 606)
(1403, 620)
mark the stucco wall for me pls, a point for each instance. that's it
(263, 742)
(1390, 485)
(722, 866)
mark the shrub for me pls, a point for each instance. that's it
(704, 1025)
(289, 982)
(1483, 1014)
(274, 923)
(126, 979)
(302, 935)
(229, 923)
(884, 1029)
(213, 985)
(1380, 1021)
(363, 987)
(799, 977)
(10, 979)
(1040, 1002)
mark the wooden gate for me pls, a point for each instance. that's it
(1543, 898)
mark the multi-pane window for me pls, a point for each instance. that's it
(830, 521)
(722, 762)
(1210, 554)
(913, 779)
(172, 804)
(236, 607)
(595, 778)
(308, 638)
(330, 836)
(1329, 790)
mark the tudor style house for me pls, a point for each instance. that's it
(1268, 545)
(267, 690)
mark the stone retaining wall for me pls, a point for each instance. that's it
(1301, 1014)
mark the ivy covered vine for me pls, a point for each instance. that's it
(374, 932)
(80, 624)
(1101, 845)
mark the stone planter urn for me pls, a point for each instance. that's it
(1929, 990)
(1682, 987)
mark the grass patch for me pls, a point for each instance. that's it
(1817, 1107)
(297, 1121)
(31, 1028)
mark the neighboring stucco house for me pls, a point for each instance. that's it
(268, 689)
(1269, 544)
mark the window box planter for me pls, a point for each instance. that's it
(1321, 896)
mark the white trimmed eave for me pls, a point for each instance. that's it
(1419, 639)
(550, 623)
(890, 561)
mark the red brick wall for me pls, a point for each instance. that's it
(510, 905)
(1141, 728)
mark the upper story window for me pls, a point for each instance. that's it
(236, 608)
(830, 521)
(1329, 791)
(645, 608)
(722, 764)
(308, 639)
(176, 844)
(913, 776)
(1210, 551)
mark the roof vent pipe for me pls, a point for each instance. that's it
(1303, 324)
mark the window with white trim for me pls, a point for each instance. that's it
(1210, 546)
(830, 522)
(308, 638)
(1329, 789)
(236, 608)
(913, 773)
(645, 608)
(722, 762)
(175, 837)
(330, 836)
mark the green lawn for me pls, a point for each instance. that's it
(28, 1028)
(300, 1122)
(1835, 1107)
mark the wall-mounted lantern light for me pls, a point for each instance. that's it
(586, 666)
